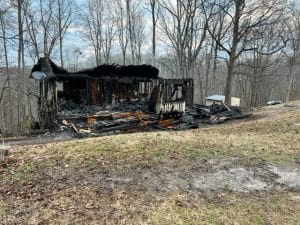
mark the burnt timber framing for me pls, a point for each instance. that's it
(107, 85)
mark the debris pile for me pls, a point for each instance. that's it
(216, 113)
(130, 117)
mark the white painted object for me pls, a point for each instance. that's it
(171, 106)
(37, 75)
(218, 99)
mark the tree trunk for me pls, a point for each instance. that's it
(228, 84)
(130, 29)
(6, 66)
(207, 71)
(233, 51)
(153, 3)
(60, 33)
(289, 90)
(20, 61)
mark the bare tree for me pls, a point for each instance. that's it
(50, 32)
(21, 61)
(109, 33)
(256, 68)
(184, 27)
(93, 22)
(154, 10)
(130, 28)
(242, 19)
(122, 28)
(108, 37)
(21, 6)
(217, 28)
(139, 37)
(64, 14)
(7, 82)
(209, 48)
(32, 30)
(46, 24)
(293, 51)
(135, 28)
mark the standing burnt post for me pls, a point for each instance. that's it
(47, 101)
(172, 94)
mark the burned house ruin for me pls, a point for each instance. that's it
(111, 99)
(106, 86)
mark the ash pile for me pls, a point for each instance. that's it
(134, 116)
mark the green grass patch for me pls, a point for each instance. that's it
(2, 208)
(19, 174)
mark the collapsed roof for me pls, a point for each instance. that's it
(111, 70)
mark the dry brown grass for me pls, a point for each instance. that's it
(44, 184)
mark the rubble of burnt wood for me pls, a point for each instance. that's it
(95, 121)
(216, 113)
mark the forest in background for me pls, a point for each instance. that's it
(246, 49)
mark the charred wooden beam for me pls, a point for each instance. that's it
(113, 70)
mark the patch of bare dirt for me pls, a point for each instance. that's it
(200, 177)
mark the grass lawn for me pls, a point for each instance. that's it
(63, 183)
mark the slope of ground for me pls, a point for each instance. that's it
(241, 172)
